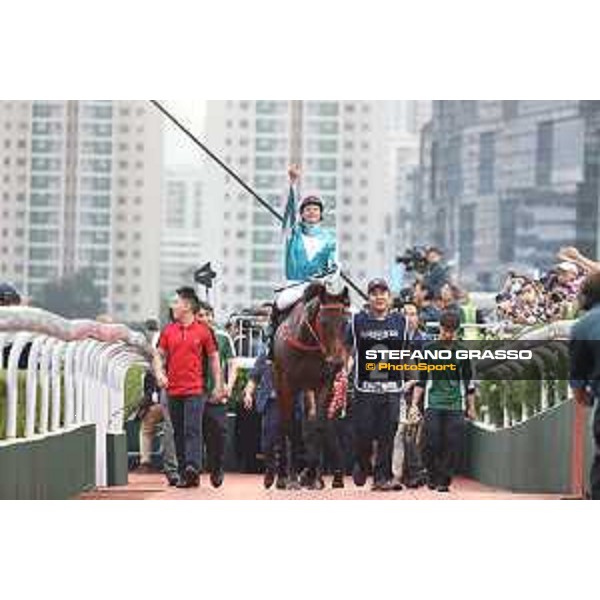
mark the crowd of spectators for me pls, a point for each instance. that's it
(527, 301)
(554, 296)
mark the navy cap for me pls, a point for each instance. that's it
(378, 283)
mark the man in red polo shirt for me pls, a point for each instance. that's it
(182, 346)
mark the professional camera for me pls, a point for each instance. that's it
(406, 295)
(414, 259)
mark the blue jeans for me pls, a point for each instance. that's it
(186, 416)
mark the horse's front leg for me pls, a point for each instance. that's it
(285, 403)
(281, 456)
(312, 433)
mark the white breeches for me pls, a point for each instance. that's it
(333, 283)
(288, 296)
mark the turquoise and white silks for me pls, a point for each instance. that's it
(310, 252)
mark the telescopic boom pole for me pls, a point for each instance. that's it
(235, 176)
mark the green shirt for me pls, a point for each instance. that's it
(446, 390)
(226, 352)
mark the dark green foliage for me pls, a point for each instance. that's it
(74, 297)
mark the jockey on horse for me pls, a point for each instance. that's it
(308, 349)
(310, 253)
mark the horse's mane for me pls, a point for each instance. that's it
(312, 291)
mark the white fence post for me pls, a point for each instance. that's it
(12, 383)
(32, 379)
(57, 354)
(45, 366)
(68, 371)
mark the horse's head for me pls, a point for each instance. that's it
(328, 315)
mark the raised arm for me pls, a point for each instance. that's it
(573, 255)
(294, 174)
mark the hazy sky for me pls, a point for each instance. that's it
(178, 148)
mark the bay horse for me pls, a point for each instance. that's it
(309, 350)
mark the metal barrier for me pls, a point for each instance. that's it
(75, 375)
(248, 335)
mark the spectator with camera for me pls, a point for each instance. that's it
(437, 272)
(428, 311)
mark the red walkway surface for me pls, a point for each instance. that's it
(249, 487)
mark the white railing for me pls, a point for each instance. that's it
(75, 374)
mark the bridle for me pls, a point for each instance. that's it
(315, 329)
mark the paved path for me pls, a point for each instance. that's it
(249, 487)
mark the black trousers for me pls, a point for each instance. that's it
(375, 419)
(595, 470)
(444, 438)
(214, 427)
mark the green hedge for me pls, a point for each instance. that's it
(22, 382)
(134, 388)
(526, 391)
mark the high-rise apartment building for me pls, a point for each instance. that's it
(506, 183)
(182, 233)
(80, 188)
(341, 146)
(406, 119)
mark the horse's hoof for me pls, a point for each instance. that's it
(281, 483)
(305, 479)
(316, 483)
(338, 481)
(294, 485)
